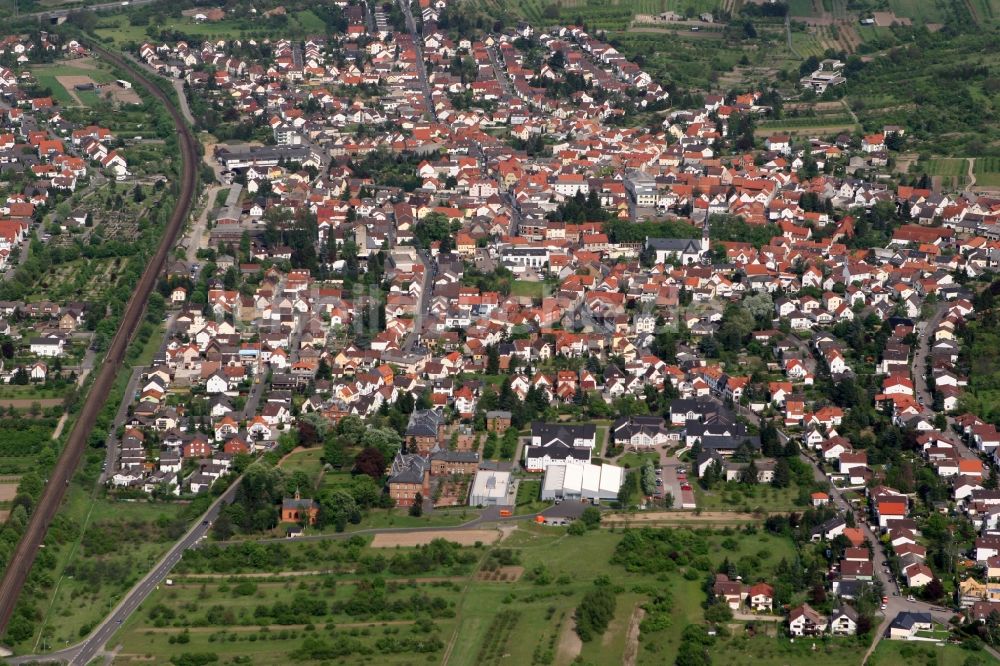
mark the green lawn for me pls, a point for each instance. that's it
(741, 650)
(634, 460)
(527, 288)
(152, 346)
(528, 491)
(399, 517)
(890, 653)
(221, 196)
(733, 496)
(307, 460)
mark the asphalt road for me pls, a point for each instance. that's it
(411, 27)
(52, 496)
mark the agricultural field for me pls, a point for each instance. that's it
(22, 442)
(985, 11)
(820, 125)
(804, 8)
(919, 11)
(952, 172)
(987, 172)
(468, 605)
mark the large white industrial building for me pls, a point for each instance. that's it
(582, 481)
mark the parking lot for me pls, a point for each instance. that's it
(674, 475)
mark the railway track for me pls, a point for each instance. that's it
(34, 534)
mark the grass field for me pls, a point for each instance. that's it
(889, 653)
(522, 619)
(987, 171)
(740, 650)
(634, 459)
(117, 29)
(733, 496)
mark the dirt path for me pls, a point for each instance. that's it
(222, 578)
(632, 637)
(26, 403)
(570, 645)
(274, 627)
(410, 539)
(972, 174)
(60, 425)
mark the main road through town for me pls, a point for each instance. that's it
(58, 482)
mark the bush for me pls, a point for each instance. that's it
(594, 613)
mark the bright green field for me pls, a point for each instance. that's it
(527, 288)
(946, 166)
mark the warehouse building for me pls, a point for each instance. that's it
(582, 481)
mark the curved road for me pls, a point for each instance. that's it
(24, 555)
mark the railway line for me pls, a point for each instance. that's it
(27, 548)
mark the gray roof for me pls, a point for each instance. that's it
(674, 244)
(424, 423)
(408, 468)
